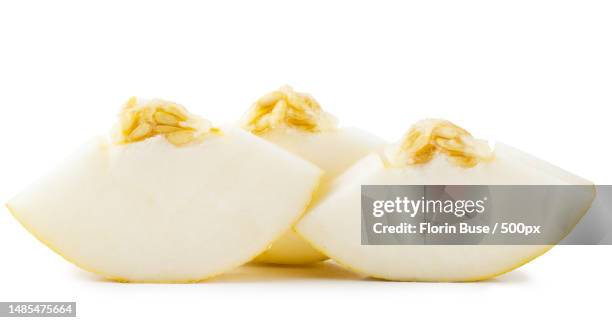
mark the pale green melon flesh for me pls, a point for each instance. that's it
(334, 225)
(153, 212)
(333, 151)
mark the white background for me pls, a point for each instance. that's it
(533, 74)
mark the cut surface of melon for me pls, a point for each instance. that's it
(333, 152)
(296, 122)
(156, 210)
(333, 226)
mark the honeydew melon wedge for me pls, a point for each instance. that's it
(168, 199)
(434, 152)
(296, 122)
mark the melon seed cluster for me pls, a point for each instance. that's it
(142, 120)
(428, 137)
(286, 107)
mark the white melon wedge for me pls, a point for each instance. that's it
(168, 199)
(296, 122)
(435, 152)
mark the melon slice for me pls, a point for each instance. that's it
(434, 152)
(296, 122)
(168, 198)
